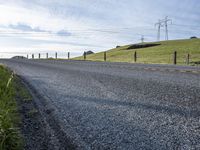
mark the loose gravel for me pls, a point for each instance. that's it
(97, 105)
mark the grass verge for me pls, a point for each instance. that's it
(10, 137)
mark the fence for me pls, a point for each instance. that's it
(174, 57)
(42, 55)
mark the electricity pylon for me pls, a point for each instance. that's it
(142, 39)
(159, 24)
(165, 21)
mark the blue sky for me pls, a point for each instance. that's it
(35, 26)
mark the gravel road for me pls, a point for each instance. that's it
(99, 105)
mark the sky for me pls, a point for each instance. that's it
(75, 26)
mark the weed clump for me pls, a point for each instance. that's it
(9, 119)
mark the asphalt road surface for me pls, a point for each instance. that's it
(97, 105)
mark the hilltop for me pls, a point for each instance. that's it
(160, 52)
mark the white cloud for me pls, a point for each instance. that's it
(95, 25)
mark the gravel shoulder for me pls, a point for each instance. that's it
(39, 128)
(108, 106)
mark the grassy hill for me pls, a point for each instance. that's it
(160, 54)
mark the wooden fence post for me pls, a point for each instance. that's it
(84, 55)
(188, 59)
(104, 56)
(175, 58)
(68, 55)
(135, 56)
(56, 55)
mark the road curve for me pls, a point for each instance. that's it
(97, 105)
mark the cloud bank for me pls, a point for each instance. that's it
(75, 26)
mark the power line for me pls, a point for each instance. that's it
(184, 25)
(110, 31)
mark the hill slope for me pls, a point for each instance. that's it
(161, 54)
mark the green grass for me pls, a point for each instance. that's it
(162, 54)
(10, 138)
(22, 93)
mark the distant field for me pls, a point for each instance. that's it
(161, 54)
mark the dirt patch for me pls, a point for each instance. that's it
(137, 46)
(33, 127)
(39, 127)
(196, 62)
